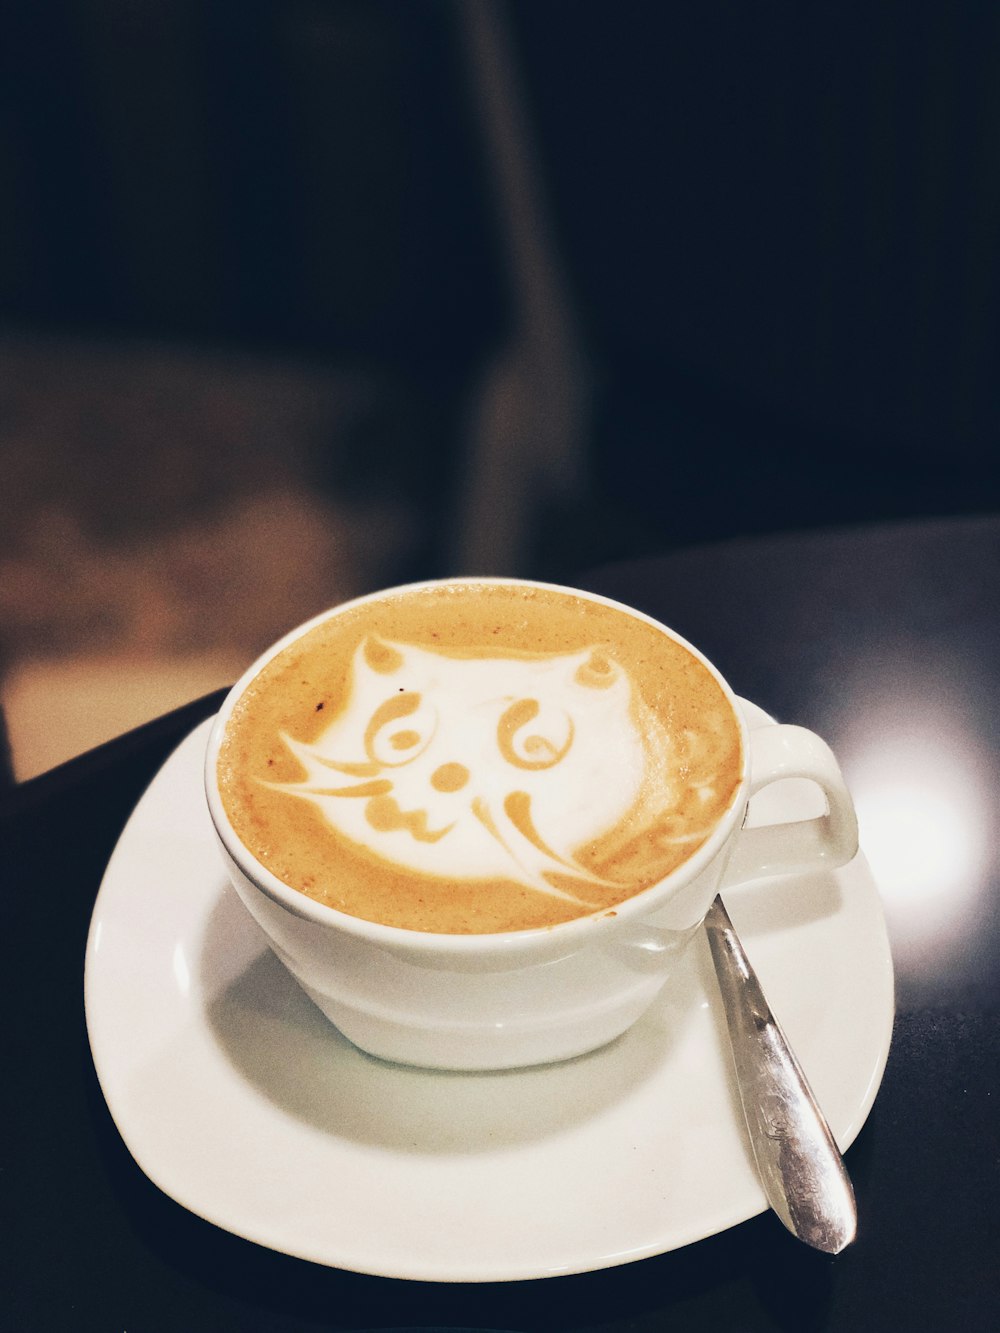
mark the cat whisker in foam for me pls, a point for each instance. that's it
(529, 853)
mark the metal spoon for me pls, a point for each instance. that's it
(799, 1164)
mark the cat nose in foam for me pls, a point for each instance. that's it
(450, 777)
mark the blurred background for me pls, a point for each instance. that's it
(302, 297)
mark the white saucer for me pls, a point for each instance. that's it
(240, 1101)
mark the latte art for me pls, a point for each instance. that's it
(477, 757)
(479, 769)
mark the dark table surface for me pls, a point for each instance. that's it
(885, 640)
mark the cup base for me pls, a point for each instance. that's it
(472, 1047)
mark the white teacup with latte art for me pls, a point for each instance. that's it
(478, 818)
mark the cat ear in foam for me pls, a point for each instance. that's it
(380, 656)
(597, 671)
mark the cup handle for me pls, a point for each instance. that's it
(830, 840)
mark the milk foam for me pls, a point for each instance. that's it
(478, 767)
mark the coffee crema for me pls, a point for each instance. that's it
(469, 758)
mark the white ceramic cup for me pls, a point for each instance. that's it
(529, 997)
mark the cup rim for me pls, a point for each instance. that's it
(310, 909)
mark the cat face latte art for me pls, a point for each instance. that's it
(479, 757)
(480, 820)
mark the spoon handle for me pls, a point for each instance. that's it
(800, 1167)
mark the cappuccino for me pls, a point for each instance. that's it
(470, 757)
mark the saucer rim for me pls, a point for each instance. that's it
(427, 1271)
